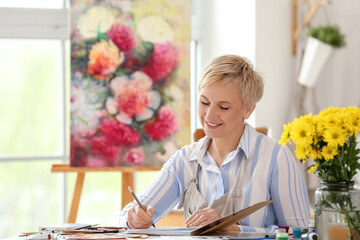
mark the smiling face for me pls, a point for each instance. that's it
(221, 111)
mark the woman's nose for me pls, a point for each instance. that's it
(212, 113)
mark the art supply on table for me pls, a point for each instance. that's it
(40, 236)
(278, 231)
(68, 226)
(310, 236)
(282, 236)
(139, 203)
(285, 227)
(296, 232)
(311, 226)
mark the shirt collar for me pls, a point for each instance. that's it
(247, 140)
(200, 149)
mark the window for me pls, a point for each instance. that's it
(33, 118)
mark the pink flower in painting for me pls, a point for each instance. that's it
(104, 58)
(123, 37)
(135, 156)
(119, 133)
(162, 61)
(105, 147)
(133, 97)
(164, 125)
(98, 160)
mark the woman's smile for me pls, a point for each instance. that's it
(213, 124)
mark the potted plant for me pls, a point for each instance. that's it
(329, 138)
(321, 41)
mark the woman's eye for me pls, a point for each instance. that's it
(205, 103)
(224, 108)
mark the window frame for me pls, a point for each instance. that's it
(30, 23)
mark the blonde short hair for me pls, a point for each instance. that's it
(237, 70)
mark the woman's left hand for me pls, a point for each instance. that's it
(202, 217)
(205, 216)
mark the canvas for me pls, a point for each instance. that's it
(130, 81)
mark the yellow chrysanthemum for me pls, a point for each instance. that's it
(315, 154)
(335, 136)
(330, 121)
(302, 132)
(328, 153)
(313, 168)
(328, 111)
(285, 136)
(352, 123)
(320, 126)
(302, 153)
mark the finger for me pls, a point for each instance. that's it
(133, 223)
(145, 216)
(196, 215)
(192, 218)
(140, 218)
(199, 221)
(150, 211)
(204, 217)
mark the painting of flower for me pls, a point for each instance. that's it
(130, 81)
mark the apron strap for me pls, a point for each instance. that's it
(194, 180)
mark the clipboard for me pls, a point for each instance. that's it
(209, 228)
(226, 221)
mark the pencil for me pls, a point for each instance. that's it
(139, 203)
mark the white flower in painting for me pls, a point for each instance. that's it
(175, 93)
(133, 98)
(155, 29)
(169, 149)
(85, 113)
(97, 18)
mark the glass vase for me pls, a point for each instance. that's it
(337, 211)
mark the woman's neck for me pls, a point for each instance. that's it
(219, 148)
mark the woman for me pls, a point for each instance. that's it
(231, 168)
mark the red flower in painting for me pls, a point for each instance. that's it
(119, 133)
(164, 125)
(135, 156)
(105, 147)
(123, 37)
(78, 152)
(162, 61)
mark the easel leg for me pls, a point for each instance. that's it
(127, 181)
(76, 198)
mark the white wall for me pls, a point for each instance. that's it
(338, 84)
(224, 27)
(273, 58)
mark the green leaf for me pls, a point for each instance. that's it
(329, 34)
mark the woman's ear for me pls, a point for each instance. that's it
(249, 111)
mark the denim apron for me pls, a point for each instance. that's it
(192, 200)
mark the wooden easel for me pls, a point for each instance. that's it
(127, 176)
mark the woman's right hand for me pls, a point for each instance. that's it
(138, 218)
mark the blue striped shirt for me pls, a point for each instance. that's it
(270, 173)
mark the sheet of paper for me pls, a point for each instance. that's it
(163, 231)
